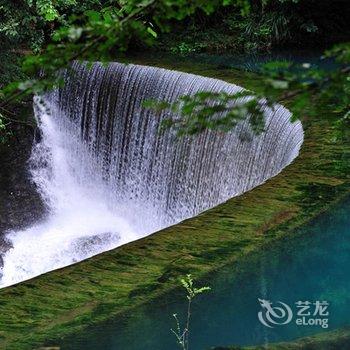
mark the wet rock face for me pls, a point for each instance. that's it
(20, 204)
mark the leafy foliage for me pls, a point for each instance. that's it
(50, 34)
(95, 33)
(215, 111)
(29, 23)
(283, 80)
(261, 26)
(182, 335)
(98, 30)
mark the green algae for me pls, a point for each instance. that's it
(65, 301)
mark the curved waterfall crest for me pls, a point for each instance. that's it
(108, 176)
(174, 178)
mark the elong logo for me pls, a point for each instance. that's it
(309, 313)
(274, 315)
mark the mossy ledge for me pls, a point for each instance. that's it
(62, 302)
(335, 340)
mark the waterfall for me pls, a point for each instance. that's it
(109, 177)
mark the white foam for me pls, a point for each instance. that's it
(80, 223)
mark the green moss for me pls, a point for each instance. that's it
(65, 301)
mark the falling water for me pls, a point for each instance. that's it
(109, 177)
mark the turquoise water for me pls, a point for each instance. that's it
(313, 265)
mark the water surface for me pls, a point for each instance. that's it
(313, 265)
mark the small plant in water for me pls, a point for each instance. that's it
(182, 335)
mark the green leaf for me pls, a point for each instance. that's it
(279, 84)
(152, 32)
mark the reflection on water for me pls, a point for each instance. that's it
(313, 265)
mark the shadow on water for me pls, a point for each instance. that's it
(313, 265)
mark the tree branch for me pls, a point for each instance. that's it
(13, 120)
(80, 53)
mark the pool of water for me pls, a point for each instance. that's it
(252, 62)
(314, 265)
